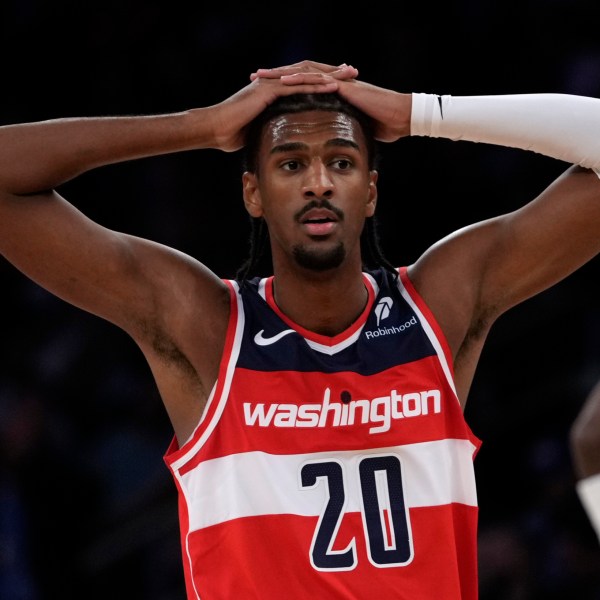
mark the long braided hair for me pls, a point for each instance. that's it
(372, 254)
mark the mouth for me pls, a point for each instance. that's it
(319, 221)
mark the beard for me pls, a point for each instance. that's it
(319, 260)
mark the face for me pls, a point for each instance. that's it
(314, 189)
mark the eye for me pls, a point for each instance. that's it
(343, 164)
(290, 165)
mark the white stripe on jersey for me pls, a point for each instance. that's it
(430, 334)
(258, 483)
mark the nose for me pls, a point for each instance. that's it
(318, 182)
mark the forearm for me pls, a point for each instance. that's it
(562, 126)
(42, 155)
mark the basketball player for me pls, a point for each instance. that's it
(319, 446)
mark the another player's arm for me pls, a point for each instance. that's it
(585, 436)
(585, 450)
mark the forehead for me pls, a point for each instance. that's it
(312, 126)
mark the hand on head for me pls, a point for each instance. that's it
(266, 85)
(307, 71)
(389, 110)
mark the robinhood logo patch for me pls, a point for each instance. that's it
(382, 311)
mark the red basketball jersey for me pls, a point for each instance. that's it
(338, 468)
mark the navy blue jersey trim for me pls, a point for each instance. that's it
(392, 335)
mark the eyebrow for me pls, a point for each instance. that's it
(334, 142)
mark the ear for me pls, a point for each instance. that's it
(252, 199)
(372, 195)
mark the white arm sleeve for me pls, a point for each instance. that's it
(588, 490)
(562, 126)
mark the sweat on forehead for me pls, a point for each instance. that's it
(298, 126)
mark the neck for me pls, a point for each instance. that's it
(326, 303)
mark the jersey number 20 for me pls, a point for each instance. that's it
(388, 542)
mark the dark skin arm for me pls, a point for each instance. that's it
(585, 436)
(165, 300)
(476, 274)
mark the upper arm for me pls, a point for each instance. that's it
(544, 241)
(124, 279)
(174, 308)
(477, 273)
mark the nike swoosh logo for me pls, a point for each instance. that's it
(263, 341)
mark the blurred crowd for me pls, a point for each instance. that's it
(87, 506)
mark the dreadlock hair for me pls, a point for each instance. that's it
(372, 253)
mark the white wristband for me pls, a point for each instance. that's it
(588, 490)
(562, 126)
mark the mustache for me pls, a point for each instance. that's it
(323, 203)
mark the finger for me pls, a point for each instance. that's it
(341, 72)
(302, 66)
(345, 72)
(306, 78)
(312, 78)
(274, 73)
(312, 65)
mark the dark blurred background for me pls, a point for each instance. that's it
(87, 506)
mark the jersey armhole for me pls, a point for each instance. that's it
(426, 311)
(218, 396)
